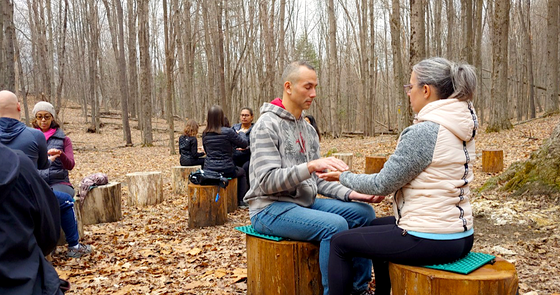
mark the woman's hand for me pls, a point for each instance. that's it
(329, 176)
(53, 154)
(356, 196)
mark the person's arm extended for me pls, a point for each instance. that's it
(67, 155)
(238, 139)
(413, 154)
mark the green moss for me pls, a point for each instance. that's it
(331, 152)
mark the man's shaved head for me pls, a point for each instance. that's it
(9, 105)
(292, 69)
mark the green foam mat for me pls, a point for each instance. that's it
(248, 229)
(465, 265)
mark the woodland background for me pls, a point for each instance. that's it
(166, 58)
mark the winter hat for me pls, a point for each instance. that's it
(44, 106)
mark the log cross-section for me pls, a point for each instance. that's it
(282, 268)
(498, 278)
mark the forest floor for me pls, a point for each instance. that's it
(152, 250)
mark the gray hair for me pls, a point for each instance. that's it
(292, 68)
(451, 80)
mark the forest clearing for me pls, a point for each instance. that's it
(152, 250)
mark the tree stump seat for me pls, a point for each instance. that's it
(492, 161)
(374, 164)
(101, 204)
(346, 158)
(282, 267)
(231, 195)
(145, 188)
(180, 178)
(207, 205)
(497, 278)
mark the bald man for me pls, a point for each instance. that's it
(14, 134)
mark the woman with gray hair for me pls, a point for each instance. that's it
(429, 174)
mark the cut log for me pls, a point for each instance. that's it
(180, 178)
(498, 278)
(346, 158)
(285, 267)
(144, 188)
(492, 161)
(374, 164)
(230, 193)
(205, 207)
(101, 204)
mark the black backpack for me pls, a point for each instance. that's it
(208, 177)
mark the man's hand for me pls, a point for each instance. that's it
(324, 164)
(356, 196)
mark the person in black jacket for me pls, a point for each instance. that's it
(188, 146)
(29, 227)
(219, 142)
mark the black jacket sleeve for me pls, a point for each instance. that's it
(194, 147)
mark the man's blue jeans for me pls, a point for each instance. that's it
(319, 223)
(67, 218)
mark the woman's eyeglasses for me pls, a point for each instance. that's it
(46, 117)
(407, 88)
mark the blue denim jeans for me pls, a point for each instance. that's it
(319, 223)
(67, 218)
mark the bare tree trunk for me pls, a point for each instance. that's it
(405, 117)
(417, 29)
(21, 91)
(479, 99)
(132, 65)
(169, 30)
(93, 57)
(552, 56)
(62, 56)
(467, 11)
(8, 69)
(281, 42)
(526, 27)
(333, 70)
(499, 119)
(450, 29)
(145, 71)
(437, 28)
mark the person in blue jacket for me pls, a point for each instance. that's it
(29, 227)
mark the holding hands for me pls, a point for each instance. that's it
(335, 167)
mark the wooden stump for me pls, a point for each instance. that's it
(492, 161)
(285, 267)
(180, 178)
(346, 157)
(145, 188)
(205, 209)
(498, 278)
(230, 193)
(101, 204)
(374, 164)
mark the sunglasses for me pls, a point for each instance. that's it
(46, 117)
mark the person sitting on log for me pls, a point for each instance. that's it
(219, 141)
(188, 146)
(242, 156)
(285, 158)
(29, 227)
(429, 172)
